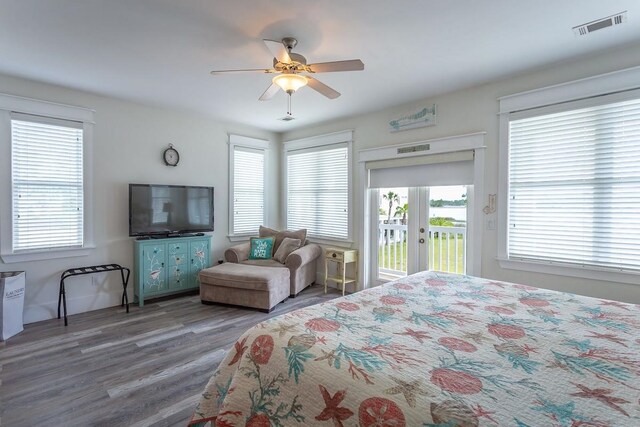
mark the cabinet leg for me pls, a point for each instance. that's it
(355, 285)
(326, 274)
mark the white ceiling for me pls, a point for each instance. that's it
(160, 52)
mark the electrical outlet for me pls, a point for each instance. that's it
(491, 224)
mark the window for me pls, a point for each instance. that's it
(248, 172)
(573, 179)
(47, 183)
(318, 189)
(45, 180)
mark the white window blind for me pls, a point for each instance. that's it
(248, 190)
(318, 191)
(47, 183)
(574, 186)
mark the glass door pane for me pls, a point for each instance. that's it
(447, 210)
(421, 228)
(393, 217)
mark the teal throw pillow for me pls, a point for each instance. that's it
(261, 247)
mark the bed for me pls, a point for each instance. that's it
(435, 349)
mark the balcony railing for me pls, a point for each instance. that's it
(446, 249)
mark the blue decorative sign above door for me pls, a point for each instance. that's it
(421, 118)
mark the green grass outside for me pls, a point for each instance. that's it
(397, 260)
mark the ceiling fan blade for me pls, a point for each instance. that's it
(248, 70)
(322, 88)
(327, 67)
(270, 92)
(278, 50)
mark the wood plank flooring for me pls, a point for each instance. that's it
(110, 368)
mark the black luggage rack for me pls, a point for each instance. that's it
(90, 270)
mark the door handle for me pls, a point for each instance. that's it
(421, 240)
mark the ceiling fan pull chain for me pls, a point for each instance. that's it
(289, 106)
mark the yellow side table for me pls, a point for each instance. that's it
(341, 257)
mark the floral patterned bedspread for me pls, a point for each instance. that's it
(431, 350)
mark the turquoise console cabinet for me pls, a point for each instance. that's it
(167, 266)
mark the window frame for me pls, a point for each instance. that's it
(252, 144)
(14, 104)
(320, 142)
(610, 87)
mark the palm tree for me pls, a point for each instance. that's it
(439, 221)
(402, 211)
(392, 198)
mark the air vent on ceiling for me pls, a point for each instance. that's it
(599, 24)
(287, 118)
(414, 148)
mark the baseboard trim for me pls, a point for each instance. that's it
(75, 305)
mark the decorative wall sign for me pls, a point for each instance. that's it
(421, 118)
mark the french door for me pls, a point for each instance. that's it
(421, 169)
(420, 228)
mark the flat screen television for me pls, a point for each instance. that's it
(169, 209)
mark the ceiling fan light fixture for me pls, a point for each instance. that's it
(290, 82)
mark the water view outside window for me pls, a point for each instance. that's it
(448, 228)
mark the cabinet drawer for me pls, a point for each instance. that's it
(177, 283)
(178, 274)
(178, 247)
(178, 259)
(334, 255)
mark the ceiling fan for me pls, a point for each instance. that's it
(290, 68)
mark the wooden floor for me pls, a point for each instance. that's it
(110, 368)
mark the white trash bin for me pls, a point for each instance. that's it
(12, 289)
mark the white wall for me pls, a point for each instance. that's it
(473, 110)
(128, 145)
(129, 140)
